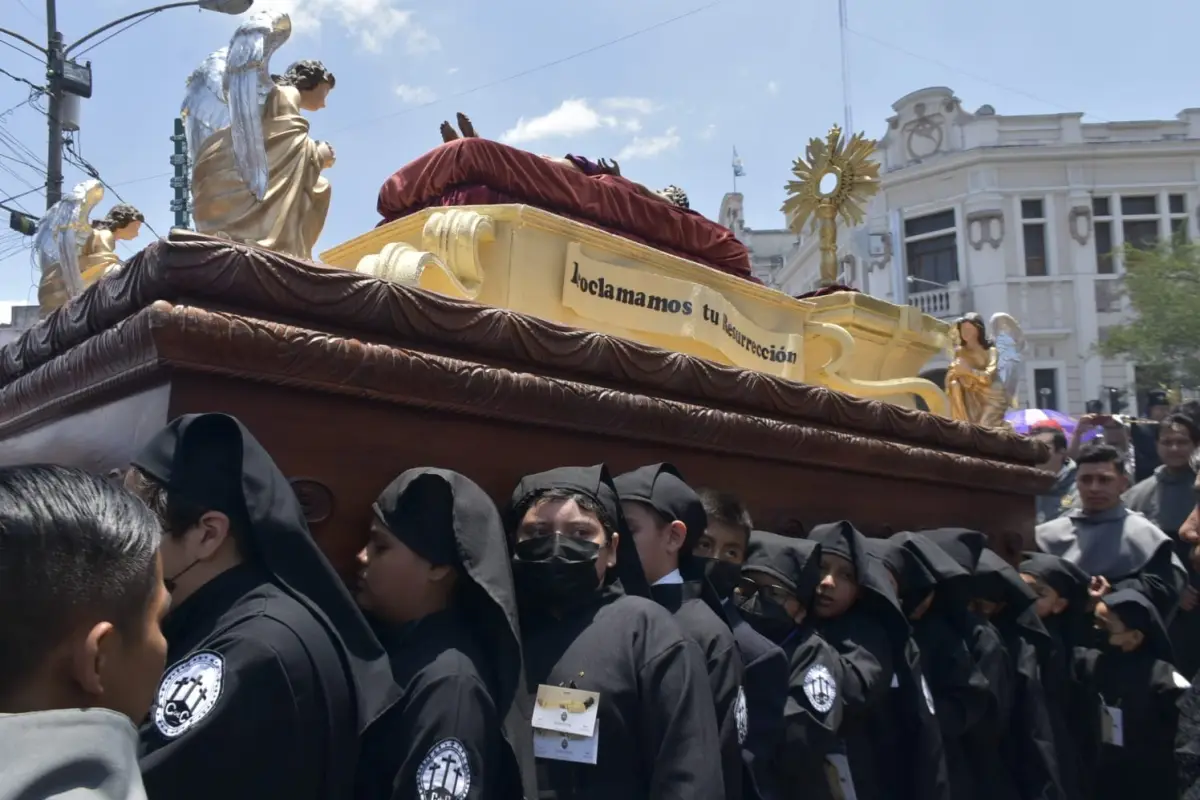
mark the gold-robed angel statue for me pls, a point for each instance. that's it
(984, 376)
(73, 251)
(256, 173)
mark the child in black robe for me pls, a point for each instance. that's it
(941, 629)
(780, 576)
(1139, 690)
(1064, 607)
(1028, 748)
(858, 615)
(993, 780)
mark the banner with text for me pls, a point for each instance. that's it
(639, 300)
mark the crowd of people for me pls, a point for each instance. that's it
(175, 632)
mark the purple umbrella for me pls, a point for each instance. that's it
(1024, 419)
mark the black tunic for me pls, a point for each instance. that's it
(723, 663)
(1147, 691)
(812, 717)
(461, 723)
(280, 723)
(656, 726)
(765, 685)
(276, 672)
(447, 705)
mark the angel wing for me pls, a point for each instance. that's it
(204, 111)
(1010, 348)
(64, 230)
(247, 85)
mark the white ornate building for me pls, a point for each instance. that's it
(22, 318)
(770, 250)
(983, 212)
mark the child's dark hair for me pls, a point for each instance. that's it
(584, 502)
(1101, 453)
(727, 509)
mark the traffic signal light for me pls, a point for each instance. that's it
(1116, 400)
(22, 223)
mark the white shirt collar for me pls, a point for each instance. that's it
(671, 577)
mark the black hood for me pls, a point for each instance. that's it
(215, 462)
(915, 579)
(593, 482)
(795, 563)
(998, 581)
(662, 487)
(1067, 579)
(448, 519)
(1139, 614)
(875, 592)
(961, 544)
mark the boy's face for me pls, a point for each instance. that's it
(1119, 636)
(986, 608)
(723, 542)
(755, 581)
(838, 588)
(1049, 602)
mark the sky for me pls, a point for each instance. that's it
(667, 87)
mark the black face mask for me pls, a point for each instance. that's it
(723, 575)
(555, 570)
(767, 617)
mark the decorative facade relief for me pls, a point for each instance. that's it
(1079, 223)
(985, 227)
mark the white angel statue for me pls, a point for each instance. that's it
(256, 174)
(74, 251)
(982, 380)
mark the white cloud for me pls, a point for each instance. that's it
(452, 70)
(638, 105)
(415, 95)
(709, 131)
(650, 146)
(576, 117)
(772, 87)
(375, 23)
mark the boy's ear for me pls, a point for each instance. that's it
(1060, 605)
(1136, 638)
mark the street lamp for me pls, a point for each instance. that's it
(66, 76)
(911, 279)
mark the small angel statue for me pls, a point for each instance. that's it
(983, 378)
(72, 251)
(256, 174)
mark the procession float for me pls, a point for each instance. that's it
(509, 313)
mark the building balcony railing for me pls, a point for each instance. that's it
(948, 302)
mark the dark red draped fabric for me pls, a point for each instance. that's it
(480, 171)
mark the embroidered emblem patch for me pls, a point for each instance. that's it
(743, 719)
(928, 695)
(188, 693)
(445, 773)
(820, 688)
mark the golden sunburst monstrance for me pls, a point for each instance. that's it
(836, 178)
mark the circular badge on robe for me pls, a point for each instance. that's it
(445, 772)
(928, 695)
(188, 693)
(820, 687)
(743, 719)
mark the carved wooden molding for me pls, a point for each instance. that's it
(1079, 224)
(118, 320)
(985, 227)
(192, 339)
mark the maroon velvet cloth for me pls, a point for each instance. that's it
(480, 171)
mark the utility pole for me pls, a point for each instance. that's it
(54, 149)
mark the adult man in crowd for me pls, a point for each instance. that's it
(1117, 547)
(1063, 496)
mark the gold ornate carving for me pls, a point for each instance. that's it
(983, 378)
(843, 351)
(835, 179)
(985, 227)
(451, 263)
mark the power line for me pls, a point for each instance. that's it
(94, 45)
(84, 165)
(626, 37)
(19, 79)
(22, 194)
(963, 72)
(21, 50)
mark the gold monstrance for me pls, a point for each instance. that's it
(837, 179)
